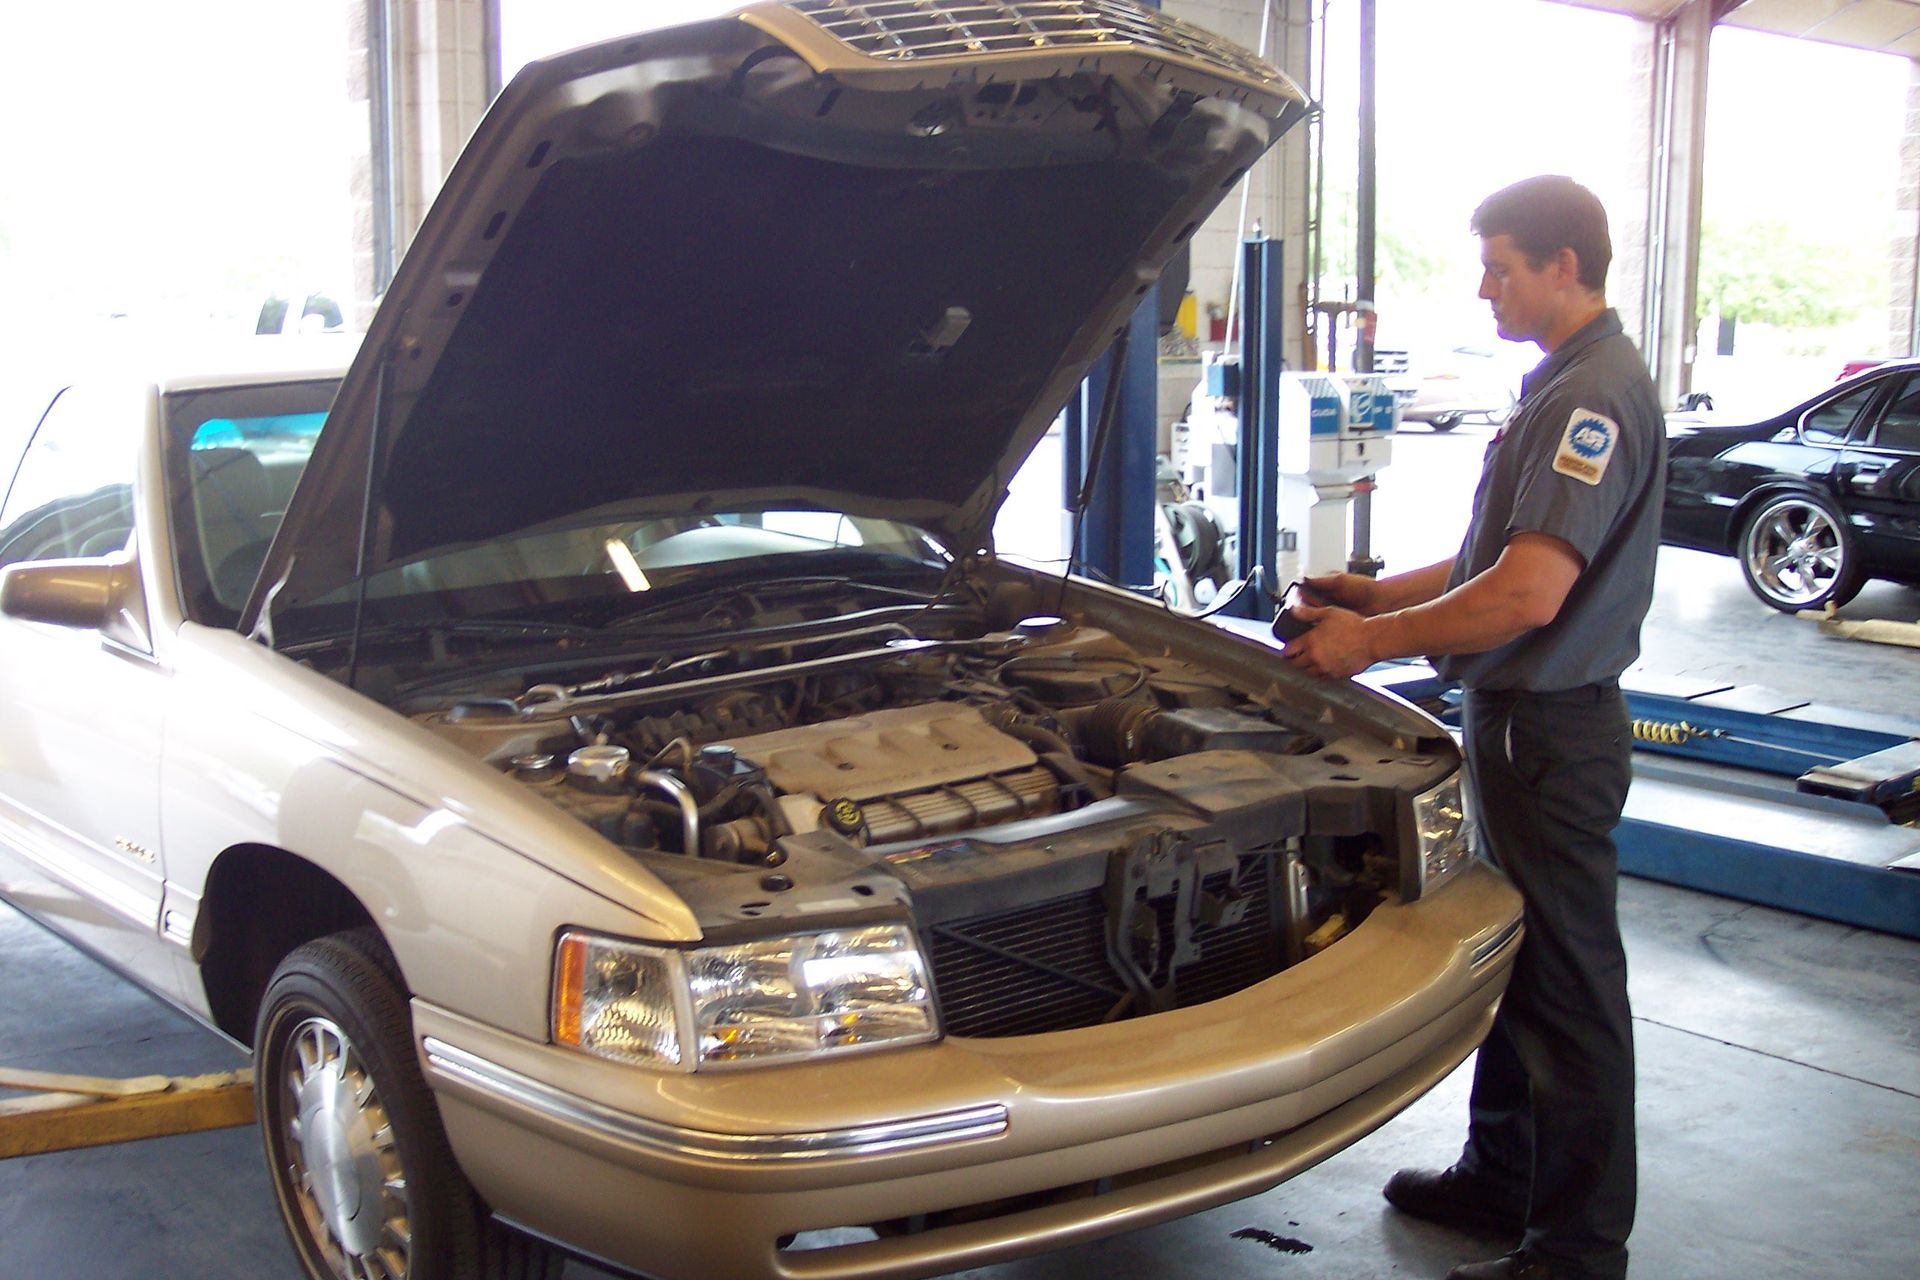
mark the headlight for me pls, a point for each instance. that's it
(1444, 825)
(773, 1000)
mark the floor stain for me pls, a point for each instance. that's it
(1281, 1244)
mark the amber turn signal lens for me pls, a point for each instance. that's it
(570, 980)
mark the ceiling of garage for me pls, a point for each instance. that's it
(1890, 26)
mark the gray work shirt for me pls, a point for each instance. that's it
(1583, 458)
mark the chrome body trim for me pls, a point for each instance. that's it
(987, 1121)
(1498, 942)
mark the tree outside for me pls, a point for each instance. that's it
(1811, 291)
(1802, 162)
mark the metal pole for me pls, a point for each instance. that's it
(385, 141)
(1259, 452)
(490, 34)
(1913, 312)
(1362, 560)
(1364, 194)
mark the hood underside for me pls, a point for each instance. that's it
(770, 260)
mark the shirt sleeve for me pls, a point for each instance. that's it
(1577, 473)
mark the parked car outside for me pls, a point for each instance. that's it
(1813, 501)
(585, 745)
(1445, 389)
(297, 311)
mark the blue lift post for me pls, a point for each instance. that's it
(1751, 795)
(1116, 528)
(1257, 466)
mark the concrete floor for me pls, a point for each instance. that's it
(1779, 1056)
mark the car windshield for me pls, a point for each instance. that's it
(607, 571)
(237, 454)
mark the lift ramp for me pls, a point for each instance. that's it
(1752, 794)
(1706, 827)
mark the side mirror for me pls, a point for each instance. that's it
(90, 593)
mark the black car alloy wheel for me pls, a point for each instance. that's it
(366, 1184)
(1797, 554)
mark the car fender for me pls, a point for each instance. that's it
(466, 877)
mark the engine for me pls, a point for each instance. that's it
(916, 744)
(1082, 830)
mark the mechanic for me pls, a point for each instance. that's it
(1536, 617)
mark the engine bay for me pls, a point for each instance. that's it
(1082, 827)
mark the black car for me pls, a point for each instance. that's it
(1812, 502)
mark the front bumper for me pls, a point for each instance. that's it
(1046, 1140)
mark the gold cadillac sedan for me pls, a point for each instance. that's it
(585, 745)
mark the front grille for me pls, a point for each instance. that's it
(913, 30)
(1045, 967)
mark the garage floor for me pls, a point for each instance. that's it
(1779, 1057)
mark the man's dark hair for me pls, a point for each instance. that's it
(1545, 215)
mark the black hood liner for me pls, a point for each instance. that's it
(649, 328)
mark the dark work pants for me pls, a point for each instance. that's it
(1552, 1105)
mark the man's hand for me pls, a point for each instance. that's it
(1523, 589)
(1355, 591)
(1336, 647)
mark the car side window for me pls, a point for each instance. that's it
(1899, 426)
(72, 494)
(1829, 423)
(243, 471)
(234, 455)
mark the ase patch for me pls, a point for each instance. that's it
(1587, 446)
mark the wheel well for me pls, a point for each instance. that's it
(1754, 498)
(261, 903)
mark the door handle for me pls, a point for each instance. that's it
(1860, 475)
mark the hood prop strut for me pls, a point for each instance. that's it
(1102, 431)
(369, 495)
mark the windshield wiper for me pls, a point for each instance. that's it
(755, 595)
(689, 649)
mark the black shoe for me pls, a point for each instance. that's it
(1515, 1266)
(1455, 1199)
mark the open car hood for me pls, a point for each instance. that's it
(811, 254)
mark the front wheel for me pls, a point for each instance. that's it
(365, 1182)
(1796, 554)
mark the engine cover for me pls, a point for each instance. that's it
(885, 753)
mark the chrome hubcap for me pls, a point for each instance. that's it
(343, 1167)
(1794, 553)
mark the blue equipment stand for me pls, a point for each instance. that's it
(1752, 795)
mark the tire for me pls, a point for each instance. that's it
(1797, 553)
(349, 1125)
(1198, 534)
(1446, 422)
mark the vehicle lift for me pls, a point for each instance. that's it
(1749, 794)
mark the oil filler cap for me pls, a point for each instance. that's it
(599, 768)
(845, 816)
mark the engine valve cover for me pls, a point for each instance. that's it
(885, 753)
